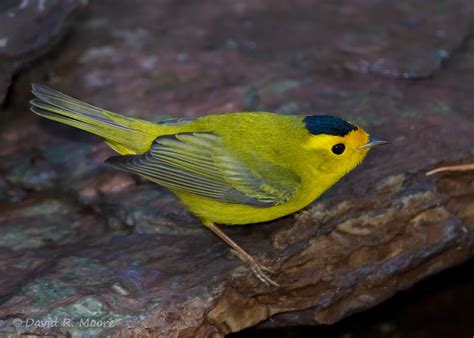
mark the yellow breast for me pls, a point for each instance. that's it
(209, 210)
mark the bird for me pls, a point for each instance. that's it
(228, 169)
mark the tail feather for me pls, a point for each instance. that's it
(123, 134)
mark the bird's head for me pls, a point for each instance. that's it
(339, 145)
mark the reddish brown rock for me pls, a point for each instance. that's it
(82, 241)
(27, 30)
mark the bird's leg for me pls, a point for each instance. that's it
(257, 269)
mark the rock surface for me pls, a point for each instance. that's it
(27, 30)
(107, 253)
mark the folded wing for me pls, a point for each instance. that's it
(199, 163)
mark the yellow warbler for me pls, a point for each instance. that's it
(234, 168)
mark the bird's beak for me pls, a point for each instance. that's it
(374, 141)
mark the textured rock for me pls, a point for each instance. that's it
(80, 241)
(28, 28)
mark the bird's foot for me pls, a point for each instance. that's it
(259, 271)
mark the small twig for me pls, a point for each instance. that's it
(460, 167)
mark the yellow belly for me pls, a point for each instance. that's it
(225, 213)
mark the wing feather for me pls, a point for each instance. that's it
(199, 163)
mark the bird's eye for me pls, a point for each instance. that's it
(338, 149)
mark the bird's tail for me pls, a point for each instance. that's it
(123, 134)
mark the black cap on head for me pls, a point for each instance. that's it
(329, 125)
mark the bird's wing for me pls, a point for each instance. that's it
(199, 163)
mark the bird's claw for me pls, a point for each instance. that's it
(267, 269)
(258, 271)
